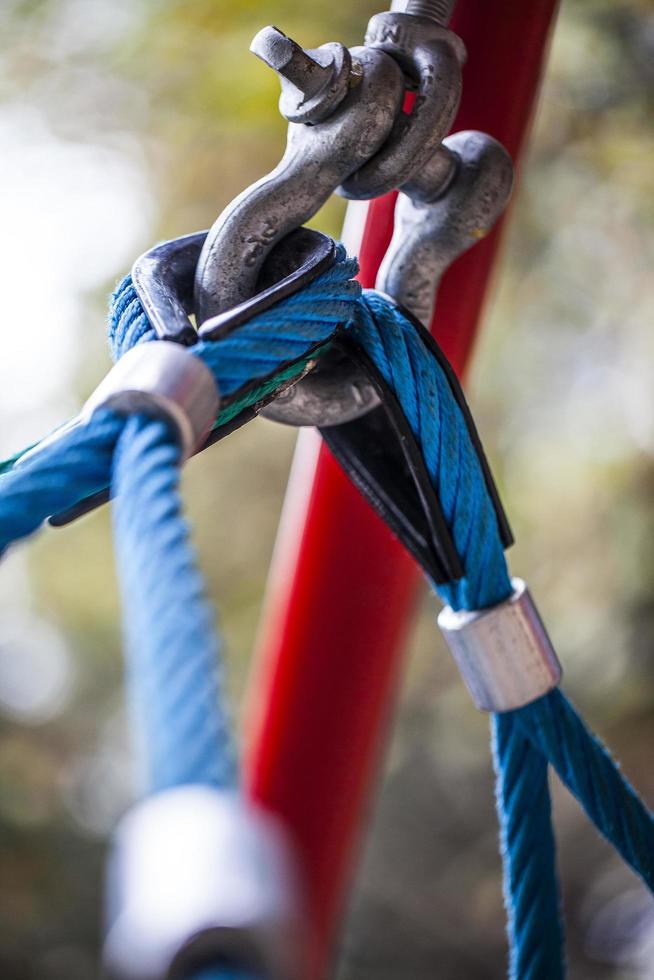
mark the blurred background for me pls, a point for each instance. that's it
(125, 121)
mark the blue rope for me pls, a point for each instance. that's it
(171, 648)
(531, 893)
(423, 391)
(61, 474)
(585, 766)
(66, 470)
(154, 558)
(174, 687)
(548, 730)
(527, 840)
(260, 346)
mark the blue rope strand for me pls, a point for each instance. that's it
(61, 474)
(531, 892)
(585, 766)
(174, 685)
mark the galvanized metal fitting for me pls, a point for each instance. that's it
(314, 82)
(452, 210)
(430, 56)
(504, 654)
(317, 159)
(200, 877)
(164, 380)
(434, 224)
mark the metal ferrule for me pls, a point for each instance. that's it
(200, 877)
(504, 654)
(163, 380)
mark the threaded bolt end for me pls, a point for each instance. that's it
(289, 60)
(438, 11)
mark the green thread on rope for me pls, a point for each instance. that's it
(292, 373)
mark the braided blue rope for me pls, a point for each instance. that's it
(423, 391)
(258, 348)
(585, 766)
(527, 840)
(531, 893)
(548, 730)
(78, 464)
(175, 689)
(61, 474)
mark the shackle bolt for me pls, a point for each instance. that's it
(314, 82)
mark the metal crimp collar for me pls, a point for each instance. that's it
(163, 380)
(504, 653)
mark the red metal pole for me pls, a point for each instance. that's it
(342, 589)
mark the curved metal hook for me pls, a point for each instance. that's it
(316, 160)
(426, 240)
(428, 237)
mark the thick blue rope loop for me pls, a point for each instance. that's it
(548, 730)
(436, 421)
(530, 884)
(174, 684)
(262, 345)
(77, 464)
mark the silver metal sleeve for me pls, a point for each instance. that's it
(163, 380)
(200, 876)
(504, 654)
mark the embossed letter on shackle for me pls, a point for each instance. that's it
(415, 35)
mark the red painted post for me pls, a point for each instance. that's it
(342, 589)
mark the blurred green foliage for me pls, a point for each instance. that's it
(562, 390)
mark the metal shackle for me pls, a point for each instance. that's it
(430, 56)
(317, 159)
(356, 135)
(200, 877)
(429, 236)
